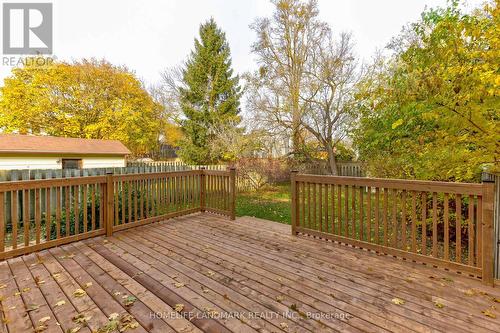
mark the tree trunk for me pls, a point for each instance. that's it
(332, 163)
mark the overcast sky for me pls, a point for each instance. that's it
(150, 35)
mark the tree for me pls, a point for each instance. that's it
(328, 94)
(209, 95)
(431, 109)
(283, 46)
(306, 82)
(87, 99)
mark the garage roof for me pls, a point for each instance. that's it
(16, 143)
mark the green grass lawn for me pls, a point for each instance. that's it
(270, 203)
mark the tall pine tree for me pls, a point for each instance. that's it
(209, 96)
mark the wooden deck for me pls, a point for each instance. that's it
(205, 273)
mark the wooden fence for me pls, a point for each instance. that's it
(38, 214)
(442, 224)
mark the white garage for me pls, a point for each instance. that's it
(48, 152)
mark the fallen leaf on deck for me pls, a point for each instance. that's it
(81, 318)
(179, 285)
(179, 307)
(3, 286)
(79, 293)
(488, 313)
(496, 300)
(205, 290)
(60, 303)
(469, 292)
(56, 275)
(17, 293)
(129, 301)
(210, 273)
(67, 256)
(398, 301)
(211, 312)
(438, 304)
(87, 285)
(32, 307)
(117, 293)
(113, 316)
(43, 319)
(74, 329)
(284, 326)
(40, 328)
(25, 290)
(279, 298)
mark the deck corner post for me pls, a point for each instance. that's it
(202, 189)
(232, 193)
(487, 233)
(295, 206)
(109, 207)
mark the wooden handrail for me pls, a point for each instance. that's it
(401, 218)
(51, 212)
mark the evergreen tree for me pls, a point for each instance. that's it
(209, 96)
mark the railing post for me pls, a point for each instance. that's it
(202, 189)
(294, 201)
(487, 233)
(109, 207)
(232, 193)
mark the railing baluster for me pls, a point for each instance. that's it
(446, 227)
(471, 235)
(2, 222)
(424, 223)
(434, 225)
(458, 228)
(38, 216)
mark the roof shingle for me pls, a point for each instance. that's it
(15, 143)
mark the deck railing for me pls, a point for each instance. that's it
(442, 224)
(38, 214)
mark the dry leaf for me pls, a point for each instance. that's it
(81, 318)
(79, 293)
(129, 301)
(279, 298)
(3, 286)
(488, 313)
(205, 290)
(469, 292)
(25, 290)
(210, 273)
(438, 304)
(60, 303)
(179, 307)
(74, 329)
(398, 301)
(113, 316)
(284, 326)
(87, 285)
(43, 320)
(56, 275)
(179, 285)
(40, 328)
(32, 307)
(211, 312)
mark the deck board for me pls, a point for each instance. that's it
(248, 267)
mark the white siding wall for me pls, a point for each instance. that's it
(104, 162)
(32, 162)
